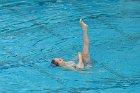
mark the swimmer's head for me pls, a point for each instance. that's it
(58, 62)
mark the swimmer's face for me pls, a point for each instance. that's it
(60, 61)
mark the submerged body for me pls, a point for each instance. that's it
(84, 56)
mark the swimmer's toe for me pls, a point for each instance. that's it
(83, 24)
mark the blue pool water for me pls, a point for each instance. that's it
(33, 32)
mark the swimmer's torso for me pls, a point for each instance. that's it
(70, 65)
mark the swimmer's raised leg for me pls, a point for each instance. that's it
(86, 48)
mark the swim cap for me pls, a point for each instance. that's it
(52, 65)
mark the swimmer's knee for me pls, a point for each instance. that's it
(86, 57)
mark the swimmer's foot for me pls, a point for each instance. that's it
(84, 25)
(80, 63)
(80, 55)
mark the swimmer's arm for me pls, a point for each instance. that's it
(70, 68)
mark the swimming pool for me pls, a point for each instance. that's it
(33, 32)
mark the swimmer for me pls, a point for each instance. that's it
(84, 56)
